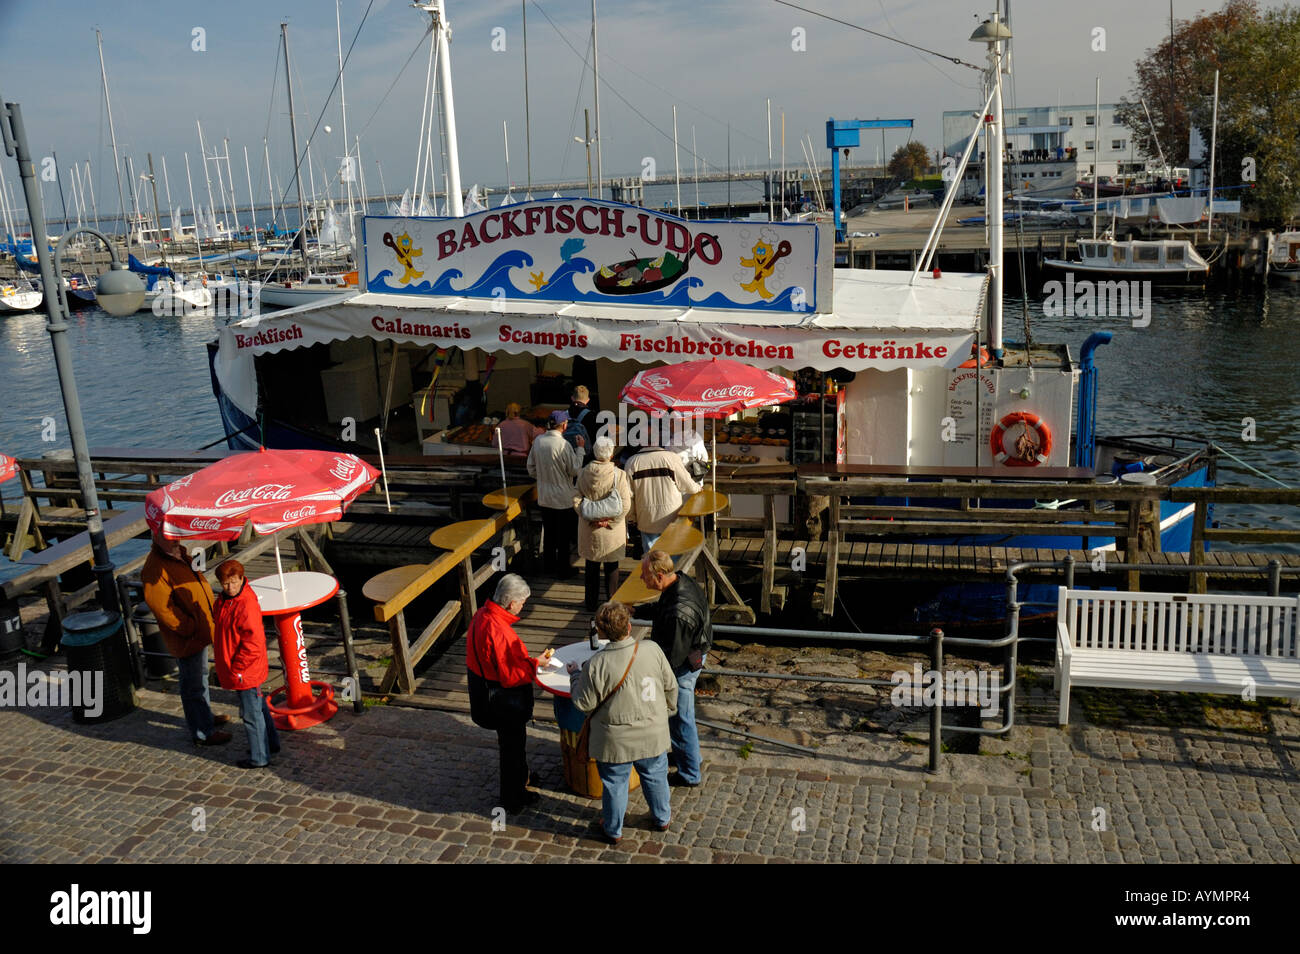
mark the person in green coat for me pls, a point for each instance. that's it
(629, 691)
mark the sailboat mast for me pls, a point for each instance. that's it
(157, 221)
(1214, 135)
(194, 212)
(528, 128)
(58, 177)
(203, 151)
(270, 188)
(94, 204)
(112, 135)
(442, 29)
(1096, 166)
(293, 133)
(343, 103)
(252, 210)
(677, 167)
(595, 82)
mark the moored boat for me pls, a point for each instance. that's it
(1164, 261)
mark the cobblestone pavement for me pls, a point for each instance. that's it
(399, 785)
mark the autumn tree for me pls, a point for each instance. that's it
(1259, 113)
(909, 161)
(1174, 76)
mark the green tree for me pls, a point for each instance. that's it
(909, 161)
(1259, 113)
(1173, 76)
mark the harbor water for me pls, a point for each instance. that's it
(1217, 364)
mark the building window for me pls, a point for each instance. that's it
(1089, 120)
(1118, 144)
(1090, 144)
(1023, 121)
(1067, 121)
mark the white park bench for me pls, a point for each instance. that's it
(1216, 643)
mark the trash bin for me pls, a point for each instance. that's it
(158, 662)
(11, 630)
(94, 642)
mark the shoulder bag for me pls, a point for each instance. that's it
(490, 703)
(609, 506)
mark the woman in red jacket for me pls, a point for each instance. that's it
(239, 646)
(495, 653)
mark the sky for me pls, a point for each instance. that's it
(719, 61)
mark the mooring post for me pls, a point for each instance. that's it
(1274, 578)
(936, 713)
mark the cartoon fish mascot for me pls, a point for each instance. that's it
(763, 263)
(405, 254)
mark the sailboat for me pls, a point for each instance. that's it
(312, 287)
(17, 295)
(1284, 256)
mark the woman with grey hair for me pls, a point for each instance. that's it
(501, 684)
(602, 500)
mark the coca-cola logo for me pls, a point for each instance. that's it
(205, 523)
(265, 492)
(299, 514)
(735, 391)
(656, 381)
(343, 468)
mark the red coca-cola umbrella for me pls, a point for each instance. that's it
(274, 489)
(714, 389)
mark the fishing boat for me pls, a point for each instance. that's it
(1164, 261)
(1284, 256)
(512, 296)
(18, 295)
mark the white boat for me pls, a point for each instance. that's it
(175, 297)
(1164, 260)
(313, 288)
(1284, 256)
(19, 295)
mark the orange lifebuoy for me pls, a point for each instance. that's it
(1027, 453)
(985, 359)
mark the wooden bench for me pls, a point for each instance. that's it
(1218, 643)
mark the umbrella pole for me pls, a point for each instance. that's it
(501, 456)
(379, 442)
(278, 568)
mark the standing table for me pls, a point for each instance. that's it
(307, 702)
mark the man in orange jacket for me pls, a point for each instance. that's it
(182, 603)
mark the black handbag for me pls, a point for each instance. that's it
(490, 704)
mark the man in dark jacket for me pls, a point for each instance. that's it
(681, 628)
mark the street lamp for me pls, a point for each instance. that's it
(119, 293)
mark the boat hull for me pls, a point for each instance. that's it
(1162, 275)
(294, 295)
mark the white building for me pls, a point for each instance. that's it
(1044, 133)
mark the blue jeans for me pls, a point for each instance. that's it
(648, 540)
(263, 737)
(681, 727)
(654, 785)
(193, 674)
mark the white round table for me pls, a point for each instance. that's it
(555, 679)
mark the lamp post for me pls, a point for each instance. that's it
(119, 293)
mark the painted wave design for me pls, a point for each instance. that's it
(561, 286)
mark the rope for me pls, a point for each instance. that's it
(1254, 470)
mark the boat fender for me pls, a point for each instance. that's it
(1028, 455)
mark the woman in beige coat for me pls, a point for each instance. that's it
(602, 542)
(629, 691)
